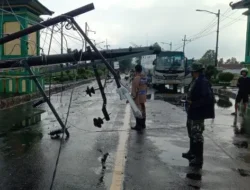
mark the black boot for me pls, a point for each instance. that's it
(190, 154)
(144, 123)
(198, 160)
(137, 126)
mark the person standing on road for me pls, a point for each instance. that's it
(201, 107)
(189, 155)
(244, 86)
(139, 94)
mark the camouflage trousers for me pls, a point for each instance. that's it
(195, 130)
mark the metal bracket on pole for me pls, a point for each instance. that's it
(64, 129)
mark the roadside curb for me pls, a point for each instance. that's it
(17, 100)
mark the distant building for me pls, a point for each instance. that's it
(232, 68)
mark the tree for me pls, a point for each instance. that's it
(221, 61)
(68, 71)
(226, 77)
(125, 65)
(233, 60)
(208, 58)
(211, 71)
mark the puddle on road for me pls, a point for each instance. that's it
(171, 154)
(19, 118)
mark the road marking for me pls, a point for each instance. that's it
(118, 172)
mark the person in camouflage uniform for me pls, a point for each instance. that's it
(200, 101)
(189, 155)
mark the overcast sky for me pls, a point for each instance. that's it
(144, 22)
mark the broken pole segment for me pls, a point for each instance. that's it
(27, 67)
(114, 54)
(47, 23)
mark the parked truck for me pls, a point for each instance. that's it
(171, 68)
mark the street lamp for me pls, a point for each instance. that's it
(218, 31)
(168, 44)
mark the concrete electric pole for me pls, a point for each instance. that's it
(184, 43)
(217, 36)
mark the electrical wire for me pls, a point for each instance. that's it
(235, 18)
(34, 22)
(208, 31)
(208, 28)
(31, 21)
(228, 10)
(14, 14)
(69, 106)
(231, 22)
(45, 38)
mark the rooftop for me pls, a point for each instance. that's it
(34, 4)
(243, 4)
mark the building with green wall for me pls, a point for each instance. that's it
(245, 4)
(18, 15)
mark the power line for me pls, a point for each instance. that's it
(228, 10)
(235, 18)
(34, 22)
(225, 17)
(230, 23)
(208, 27)
(14, 14)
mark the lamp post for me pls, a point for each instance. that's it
(168, 44)
(218, 31)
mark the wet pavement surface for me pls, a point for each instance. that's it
(28, 156)
(153, 158)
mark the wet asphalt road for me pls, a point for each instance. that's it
(153, 159)
(28, 156)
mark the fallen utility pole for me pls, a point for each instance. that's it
(114, 54)
(64, 129)
(47, 23)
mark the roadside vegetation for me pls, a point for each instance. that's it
(82, 73)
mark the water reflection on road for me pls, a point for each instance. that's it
(19, 117)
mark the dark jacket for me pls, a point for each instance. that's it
(244, 85)
(202, 98)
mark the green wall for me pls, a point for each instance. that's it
(5, 84)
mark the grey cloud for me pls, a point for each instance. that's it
(122, 22)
